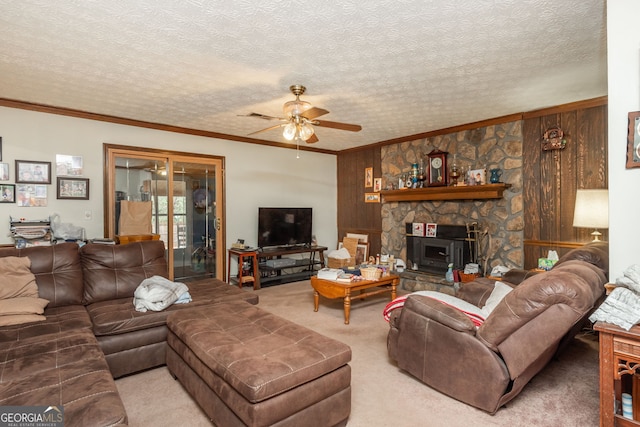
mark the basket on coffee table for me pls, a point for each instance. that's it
(371, 273)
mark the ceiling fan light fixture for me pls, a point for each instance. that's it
(306, 130)
(289, 131)
(295, 108)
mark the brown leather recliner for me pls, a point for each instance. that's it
(487, 366)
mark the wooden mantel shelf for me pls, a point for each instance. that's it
(470, 192)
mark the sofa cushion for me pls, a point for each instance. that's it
(118, 316)
(58, 320)
(57, 271)
(64, 369)
(115, 271)
(16, 278)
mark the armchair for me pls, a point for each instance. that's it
(489, 365)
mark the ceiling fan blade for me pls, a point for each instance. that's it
(313, 138)
(337, 125)
(314, 112)
(261, 116)
(266, 129)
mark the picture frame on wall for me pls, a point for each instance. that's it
(72, 188)
(633, 140)
(31, 172)
(372, 197)
(4, 171)
(31, 195)
(377, 184)
(7, 193)
(68, 165)
(368, 177)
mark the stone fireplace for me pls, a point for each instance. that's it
(499, 221)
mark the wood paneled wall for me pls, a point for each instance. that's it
(354, 215)
(551, 178)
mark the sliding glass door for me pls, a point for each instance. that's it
(176, 197)
(196, 219)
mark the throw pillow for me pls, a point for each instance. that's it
(22, 305)
(18, 319)
(16, 279)
(500, 290)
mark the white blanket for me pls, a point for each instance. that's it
(622, 306)
(157, 293)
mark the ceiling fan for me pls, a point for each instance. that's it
(300, 118)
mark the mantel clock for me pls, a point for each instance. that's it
(437, 168)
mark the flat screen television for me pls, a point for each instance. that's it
(284, 227)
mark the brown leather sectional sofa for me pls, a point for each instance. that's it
(487, 366)
(92, 333)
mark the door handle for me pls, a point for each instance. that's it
(217, 224)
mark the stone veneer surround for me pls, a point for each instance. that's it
(496, 146)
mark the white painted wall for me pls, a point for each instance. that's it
(623, 46)
(256, 175)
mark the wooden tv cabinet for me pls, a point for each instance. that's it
(303, 268)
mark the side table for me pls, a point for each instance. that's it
(242, 255)
(619, 356)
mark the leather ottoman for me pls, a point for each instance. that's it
(247, 367)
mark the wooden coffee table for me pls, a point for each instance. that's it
(332, 289)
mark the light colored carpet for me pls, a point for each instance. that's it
(564, 394)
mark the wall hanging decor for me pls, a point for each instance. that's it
(7, 193)
(553, 139)
(4, 171)
(368, 177)
(72, 188)
(633, 140)
(30, 172)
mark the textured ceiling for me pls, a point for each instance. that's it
(396, 67)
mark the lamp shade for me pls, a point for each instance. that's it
(592, 209)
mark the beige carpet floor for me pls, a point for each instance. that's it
(564, 394)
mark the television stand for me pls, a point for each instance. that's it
(302, 269)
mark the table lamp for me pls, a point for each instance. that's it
(592, 210)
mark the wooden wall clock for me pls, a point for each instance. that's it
(437, 168)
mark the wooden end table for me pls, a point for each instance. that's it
(619, 356)
(332, 289)
(252, 256)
